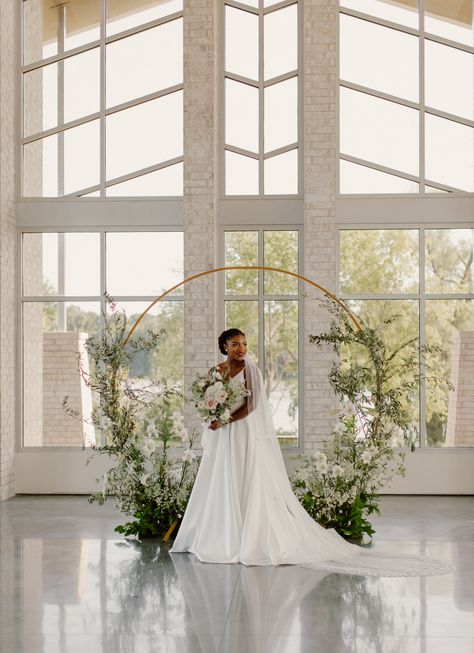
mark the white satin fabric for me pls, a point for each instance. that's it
(242, 508)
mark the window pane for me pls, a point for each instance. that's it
(241, 42)
(357, 179)
(167, 361)
(40, 89)
(167, 181)
(81, 85)
(241, 115)
(379, 131)
(241, 174)
(449, 79)
(143, 263)
(144, 135)
(243, 315)
(53, 334)
(44, 254)
(406, 14)
(81, 157)
(395, 68)
(450, 327)
(281, 174)
(449, 153)
(453, 20)
(241, 248)
(281, 367)
(41, 26)
(124, 15)
(401, 330)
(281, 114)
(378, 261)
(448, 259)
(280, 250)
(143, 63)
(40, 168)
(281, 41)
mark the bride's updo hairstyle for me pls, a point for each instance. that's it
(227, 335)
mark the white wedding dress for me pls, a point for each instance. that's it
(242, 508)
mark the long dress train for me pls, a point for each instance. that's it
(242, 508)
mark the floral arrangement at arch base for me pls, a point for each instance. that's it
(376, 383)
(139, 425)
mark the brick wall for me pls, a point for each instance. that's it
(8, 31)
(199, 207)
(460, 426)
(320, 161)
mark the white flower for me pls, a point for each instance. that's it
(144, 478)
(188, 455)
(350, 410)
(177, 417)
(320, 456)
(337, 470)
(217, 375)
(339, 428)
(210, 404)
(225, 417)
(366, 456)
(221, 396)
(360, 437)
(322, 467)
(151, 431)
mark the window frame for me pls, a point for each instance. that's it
(100, 115)
(421, 297)
(23, 299)
(420, 106)
(260, 85)
(261, 297)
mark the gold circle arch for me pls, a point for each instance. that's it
(242, 267)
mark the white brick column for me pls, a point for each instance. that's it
(199, 205)
(8, 76)
(320, 161)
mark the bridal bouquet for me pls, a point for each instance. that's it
(214, 394)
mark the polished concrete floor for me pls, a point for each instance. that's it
(69, 584)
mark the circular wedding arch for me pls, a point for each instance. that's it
(242, 267)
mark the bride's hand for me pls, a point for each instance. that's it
(215, 425)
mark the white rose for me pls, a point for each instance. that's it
(221, 396)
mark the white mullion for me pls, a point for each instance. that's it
(261, 99)
(243, 7)
(242, 79)
(279, 5)
(19, 399)
(280, 78)
(449, 116)
(378, 94)
(103, 101)
(144, 27)
(103, 307)
(20, 109)
(60, 144)
(240, 150)
(300, 97)
(281, 150)
(379, 296)
(144, 98)
(422, 340)
(379, 167)
(421, 92)
(144, 171)
(379, 21)
(457, 45)
(97, 115)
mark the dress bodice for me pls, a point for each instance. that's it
(238, 378)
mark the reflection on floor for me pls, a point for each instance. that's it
(69, 584)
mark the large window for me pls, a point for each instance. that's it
(64, 276)
(261, 98)
(426, 277)
(406, 97)
(265, 306)
(102, 98)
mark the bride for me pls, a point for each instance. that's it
(242, 508)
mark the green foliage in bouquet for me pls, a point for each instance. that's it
(139, 425)
(377, 385)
